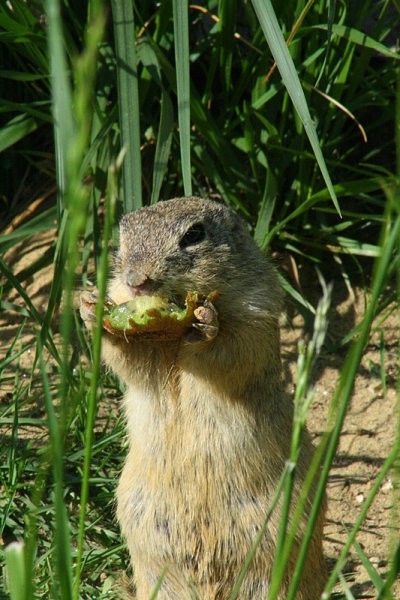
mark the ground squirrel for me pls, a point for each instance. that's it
(209, 425)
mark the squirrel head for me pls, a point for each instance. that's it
(190, 244)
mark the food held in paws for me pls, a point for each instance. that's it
(153, 316)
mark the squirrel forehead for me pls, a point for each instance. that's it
(170, 218)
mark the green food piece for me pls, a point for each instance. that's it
(153, 316)
(126, 316)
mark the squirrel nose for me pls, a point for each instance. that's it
(148, 287)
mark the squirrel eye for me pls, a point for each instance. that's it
(194, 235)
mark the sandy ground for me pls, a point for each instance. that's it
(369, 429)
(367, 437)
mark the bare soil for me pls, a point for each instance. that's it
(369, 430)
(367, 436)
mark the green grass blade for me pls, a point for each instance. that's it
(181, 45)
(10, 357)
(64, 124)
(15, 130)
(305, 307)
(385, 593)
(387, 465)
(331, 16)
(94, 382)
(128, 101)
(372, 572)
(347, 591)
(266, 210)
(63, 549)
(304, 394)
(163, 146)
(397, 122)
(280, 52)
(149, 59)
(227, 12)
(158, 585)
(361, 39)
(33, 313)
(56, 282)
(14, 555)
(43, 222)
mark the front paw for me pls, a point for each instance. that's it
(206, 328)
(88, 307)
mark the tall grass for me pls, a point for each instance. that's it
(191, 94)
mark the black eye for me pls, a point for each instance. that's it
(194, 235)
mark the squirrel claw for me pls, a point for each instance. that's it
(206, 329)
(88, 306)
(203, 332)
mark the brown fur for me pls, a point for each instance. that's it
(209, 426)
